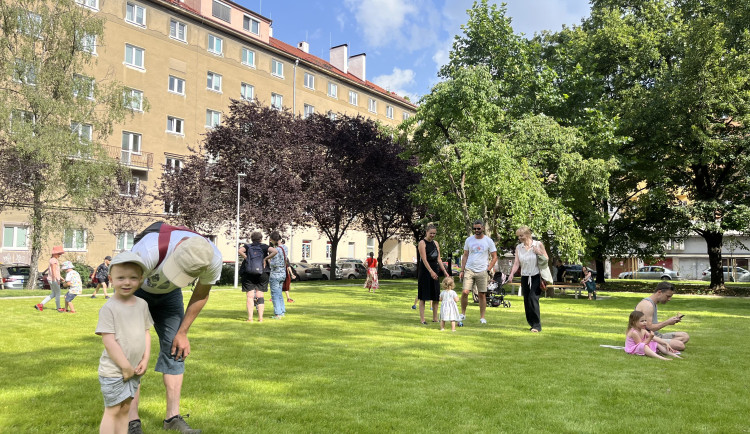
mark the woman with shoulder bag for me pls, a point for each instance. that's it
(528, 252)
(588, 282)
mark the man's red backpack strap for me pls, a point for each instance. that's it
(164, 231)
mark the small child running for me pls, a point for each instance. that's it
(124, 323)
(73, 283)
(641, 341)
(448, 306)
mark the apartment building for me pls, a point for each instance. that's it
(182, 61)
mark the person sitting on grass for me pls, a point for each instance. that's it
(73, 283)
(448, 305)
(641, 341)
(124, 323)
(663, 293)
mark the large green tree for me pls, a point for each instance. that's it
(54, 118)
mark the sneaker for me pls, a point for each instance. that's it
(460, 324)
(134, 427)
(413, 306)
(106, 298)
(94, 296)
(61, 310)
(482, 321)
(461, 317)
(177, 423)
(39, 307)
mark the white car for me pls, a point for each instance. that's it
(652, 272)
(742, 274)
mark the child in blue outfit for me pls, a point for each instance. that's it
(73, 283)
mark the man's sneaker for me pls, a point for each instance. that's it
(39, 307)
(460, 324)
(106, 297)
(413, 306)
(134, 427)
(482, 321)
(94, 296)
(177, 423)
(461, 317)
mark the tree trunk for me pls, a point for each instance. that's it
(37, 219)
(599, 261)
(334, 247)
(714, 240)
(380, 255)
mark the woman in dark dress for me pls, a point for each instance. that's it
(428, 263)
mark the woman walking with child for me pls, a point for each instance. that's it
(429, 262)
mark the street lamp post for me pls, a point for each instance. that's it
(237, 231)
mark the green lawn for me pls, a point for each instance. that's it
(344, 360)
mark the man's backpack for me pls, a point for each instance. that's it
(254, 263)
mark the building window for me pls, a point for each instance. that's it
(353, 97)
(251, 25)
(88, 43)
(215, 44)
(178, 30)
(15, 237)
(130, 188)
(30, 24)
(125, 241)
(277, 68)
(248, 57)
(277, 101)
(306, 248)
(247, 92)
(370, 245)
(134, 56)
(221, 11)
(83, 85)
(213, 81)
(173, 164)
(309, 81)
(176, 85)
(131, 145)
(74, 239)
(213, 118)
(372, 105)
(309, 110)
(331, 115)
(135, 14)
(405, 116)
(389, 112)
(24, 72)
(83, 131)
(20, 119)
(175, 125)
(91, 4)
(328, 250)
(333, 90)
(133, 99)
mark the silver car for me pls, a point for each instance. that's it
(652, 272)
(742, 274)
(15, 275)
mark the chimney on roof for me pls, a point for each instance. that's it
(339, 56)
(304, 46)
(270, 32)
(357, 66)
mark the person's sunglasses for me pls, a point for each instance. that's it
(477, 229)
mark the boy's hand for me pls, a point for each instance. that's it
(141, 368)
(128, 373)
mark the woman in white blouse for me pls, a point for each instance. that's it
(527, 252)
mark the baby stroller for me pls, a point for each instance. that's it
(495, 291)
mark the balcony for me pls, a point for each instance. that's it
(140, 160)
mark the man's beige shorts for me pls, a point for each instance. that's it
(472, 278)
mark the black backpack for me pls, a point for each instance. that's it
(254, 263)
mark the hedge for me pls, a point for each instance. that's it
(739, 289)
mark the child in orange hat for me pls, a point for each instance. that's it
(54, 280)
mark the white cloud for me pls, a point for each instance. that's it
(407, 25)
(341, 19)
(398, 81)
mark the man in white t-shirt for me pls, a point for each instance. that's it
(480, 255)
(189, 258)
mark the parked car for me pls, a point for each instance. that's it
(652, 272)
(352, 260)
(352, 270)
(396, 271)
(409, 267)
(306, 271)
(15, 275)
(574, 272)
(743, 275)
(325, 268)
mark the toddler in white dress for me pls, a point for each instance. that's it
(448, 306)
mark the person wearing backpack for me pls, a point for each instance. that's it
(278, 255)
(255, 272)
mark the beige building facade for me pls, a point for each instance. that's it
(183, 61)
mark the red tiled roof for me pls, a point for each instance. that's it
(317, 61)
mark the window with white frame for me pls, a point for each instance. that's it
(133, 99)
(370, 245)
(353, 97)
(131, 145)
(251, 25)
(309, 110)
(20, 119)
(83, 85)
(389, 112)
(88, 43)
(91, 4)
(405, 116)
(328, 250)
(215, 44)
(176, 85)
(309, 81)
(24, 72)
(213, 118)
(135, 14)
(277, 101)
(30, 23)
(221, 11)
(306, 248)
(134, 56)
(213, 81)
(247, 92)
(178, 30)
(277, 68)
(333, 90)
(173, 164)
(372, 105)
(331, 115)
(248, 57)
(130, 187)
(83, 131)
(175, 125)
(15, 237)
(74, 239)
(125, 241)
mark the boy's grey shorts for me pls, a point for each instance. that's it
(70, 296)
(115, 390)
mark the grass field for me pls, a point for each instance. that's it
(344, 360)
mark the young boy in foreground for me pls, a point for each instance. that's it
(124, 323)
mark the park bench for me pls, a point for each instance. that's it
(552, 288)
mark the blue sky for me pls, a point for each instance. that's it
(406, 41)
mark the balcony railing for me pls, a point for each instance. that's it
(141, 160)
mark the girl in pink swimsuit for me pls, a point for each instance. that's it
(642, 341)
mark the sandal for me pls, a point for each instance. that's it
(533, 330)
